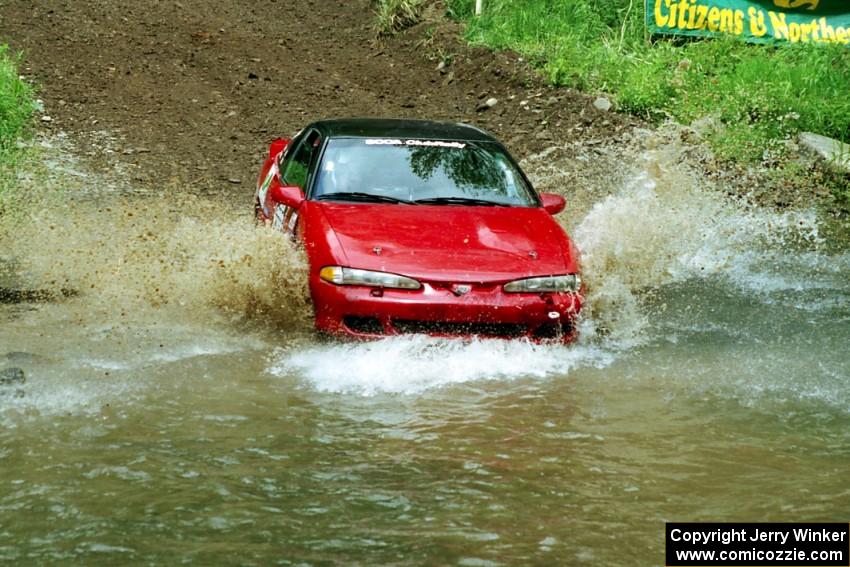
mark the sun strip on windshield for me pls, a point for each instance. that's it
(424, 143)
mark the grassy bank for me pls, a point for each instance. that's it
(16, 109)
(753, 98)
(759, 95)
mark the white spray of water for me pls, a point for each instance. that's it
(666, 226)
(412, 364)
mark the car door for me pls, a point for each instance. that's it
(295, 170)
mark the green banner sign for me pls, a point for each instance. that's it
(793, 21)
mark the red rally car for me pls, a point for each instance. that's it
(413, 226)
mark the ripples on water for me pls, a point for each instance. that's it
(178, 407)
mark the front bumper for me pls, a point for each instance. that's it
(486, 310)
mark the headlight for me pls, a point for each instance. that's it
(350, 276)
(569, 282)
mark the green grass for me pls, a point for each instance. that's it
(16, 100)
(758, 95)
(16, 110)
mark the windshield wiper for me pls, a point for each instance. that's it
(459, 201)
(362, 197)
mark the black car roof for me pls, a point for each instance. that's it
(400, 128)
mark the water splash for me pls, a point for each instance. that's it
(667, 224)
(413, 364)
(191, 261)
(125, 254)
(153, 279)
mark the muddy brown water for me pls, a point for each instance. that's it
(179, 409)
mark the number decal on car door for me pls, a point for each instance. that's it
(279, 216)
(264, 189)
(285, 217)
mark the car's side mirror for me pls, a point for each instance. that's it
(552, 203)
(278, 146)
(289, 195)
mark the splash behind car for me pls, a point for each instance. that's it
(414, 226)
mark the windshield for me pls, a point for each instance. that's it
(420, 172)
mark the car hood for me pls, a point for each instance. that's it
(450, 243)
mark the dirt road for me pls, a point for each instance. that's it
(195, 91)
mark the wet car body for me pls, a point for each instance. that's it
(414, 226)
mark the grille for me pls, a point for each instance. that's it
(365, 325)
(553, 330)
(443, 328)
